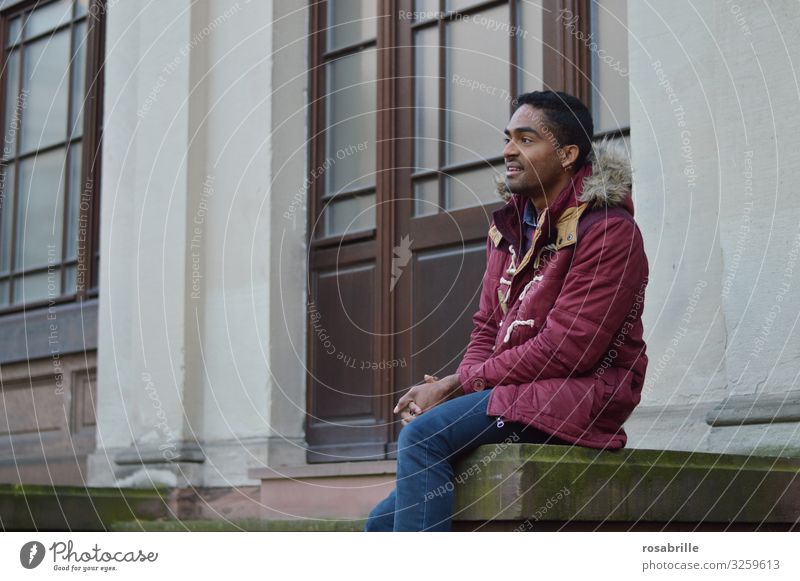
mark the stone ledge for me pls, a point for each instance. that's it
(140, 455)
(523, 484)
(25, 333)
(26, 507)
(290, 526)
(323, 470)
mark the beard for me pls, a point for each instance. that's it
(525, 188)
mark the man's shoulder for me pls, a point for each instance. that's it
(602, 215)
(611, 240)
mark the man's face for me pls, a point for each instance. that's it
(531, 153)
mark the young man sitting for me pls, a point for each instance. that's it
(557, 354)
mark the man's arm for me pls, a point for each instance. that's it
(609, 267)
(485, 327)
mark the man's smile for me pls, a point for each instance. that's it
(513, 169)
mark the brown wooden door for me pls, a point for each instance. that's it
(398, 227)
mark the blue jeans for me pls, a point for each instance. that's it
(426, 451)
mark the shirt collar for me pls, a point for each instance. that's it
(529, 216)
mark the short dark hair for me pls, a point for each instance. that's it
(570, 119)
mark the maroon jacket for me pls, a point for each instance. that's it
(558, 336)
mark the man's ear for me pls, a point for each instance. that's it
(569, 155)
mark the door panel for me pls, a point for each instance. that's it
(344, 366)
(343, 323)
(446, 291)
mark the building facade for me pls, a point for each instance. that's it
(228, 226)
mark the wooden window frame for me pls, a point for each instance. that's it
(87, 259)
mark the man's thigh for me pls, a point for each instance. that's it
(461, 424)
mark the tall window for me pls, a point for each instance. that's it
(50, 161)
(610, 89)
(409, 99)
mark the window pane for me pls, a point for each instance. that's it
(14, 31)
(472, 188)
(81, 7)
(350, 135)
(426, 9)
(426, 97)
(6, 215)
(478, 82)
(350, 22)
(531, 56)
(78, 80)
(4, 298)
(37, 287)
(82, 279)
(460, 4)
(48, 17)
(350, 215)
(611, 108)
(45, 117)
(426, 197)
(40, 212)
(69, 280)
(73, 202)
(13, 105)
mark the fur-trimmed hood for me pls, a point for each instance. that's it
(610, 181)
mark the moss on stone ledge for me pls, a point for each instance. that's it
(521, 482)
(301, 525)
(76, 508)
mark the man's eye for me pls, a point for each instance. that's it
(506, 140)
(526, 140)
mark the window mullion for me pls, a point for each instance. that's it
(90, 143)
(513, 54)
(67, 157)
(442, 141)
(19, 113)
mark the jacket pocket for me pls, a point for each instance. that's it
(565, 404)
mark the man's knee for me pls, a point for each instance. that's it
(418, 431)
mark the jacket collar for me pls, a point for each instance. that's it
(604, 182)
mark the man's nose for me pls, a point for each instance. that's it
(510, 149)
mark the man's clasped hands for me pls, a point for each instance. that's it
(422, 397)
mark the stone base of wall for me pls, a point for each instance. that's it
(47, 420)
(347, 490)
(223, 504)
